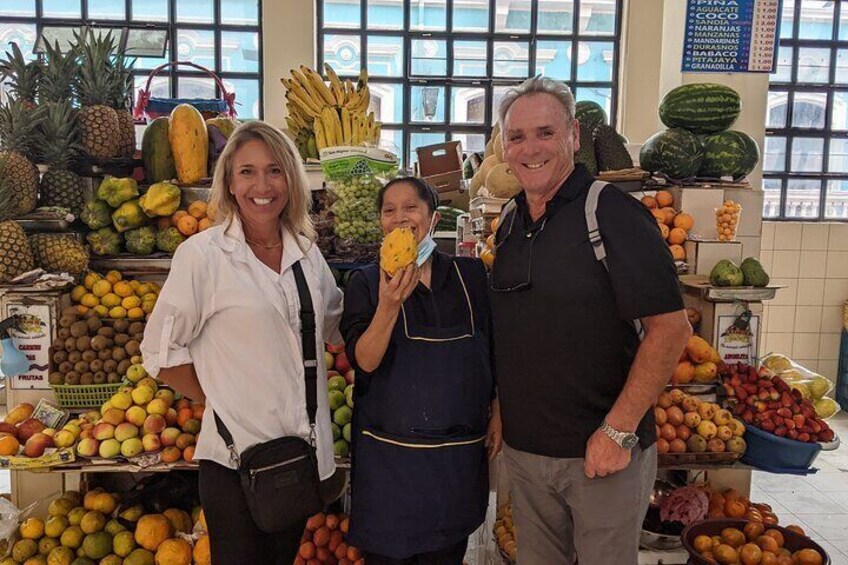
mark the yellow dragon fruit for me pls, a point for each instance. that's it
(399, 250)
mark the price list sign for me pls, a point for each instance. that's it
(731, 36)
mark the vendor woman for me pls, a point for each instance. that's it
(424, 413)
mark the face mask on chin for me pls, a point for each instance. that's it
(427, 245)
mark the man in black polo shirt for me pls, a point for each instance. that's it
(575, 382)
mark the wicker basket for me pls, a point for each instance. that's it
(84, 396)
(150, 107)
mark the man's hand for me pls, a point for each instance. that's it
(494, 433)
(604, 456)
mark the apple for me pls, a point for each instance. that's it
(64, 438)
(151, 443)
(103, 431)
(329, 360)
(167, 395)
(337, 383)
(110, 448)
(29, 428)
(6, 428)
(75, 429)
(350, 376)
(342, 365)
(136, 416)
(154, 424)
(335, 398)
(192, 426)
(49, 432)
(141, 395)
(184, 440)
(171, 416)
(157, 406)
(149, 382)
(122, 400)
(349, 396)
(169, 436)
(182, 403)
(114, 416)
(37, 444)
(131, 447)
(126, 431)
(335, 349)
(136, 372)
(91, 416)
(88, 447)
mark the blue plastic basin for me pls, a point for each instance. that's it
(778, 454)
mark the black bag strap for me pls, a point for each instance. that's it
(310, 363)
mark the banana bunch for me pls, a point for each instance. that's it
(326, 116)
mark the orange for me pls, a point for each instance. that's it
(769, 558)
(750, 554)
(664, 231)
(9, 445)
(187, 225)
(702, 543)
(768, 543)
(797, 529)
(733, 537)
(753, 530)
(684, 221)
(664, 198)
(151, 530)
(734, 509)
(316, 522)
(659, 215)
(174, 551)
(321, 538)
(683, 373)
(307, 550)
(649, 201)
(201, 553)
(676, 236)
(197, 209)
(776, 534)
(678, 252)
(725, 554)
(177, 215)
(668, 215)
(807, 557)
(204, 224)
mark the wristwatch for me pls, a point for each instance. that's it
(625, 440)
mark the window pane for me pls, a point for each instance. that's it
(392, 140)
(469, 58)
(775, 154)
(813, 64)
(17, 8)
(240, 12)
(22, 34)
(342, 52)
(150, 10)
(428, 15)
(152, 62)
(602, 96)
(771, 200)
(160, 86)
(196, 87)
(342, 13)
(807, 155)
(511, 59)
(787, 18)
(386, 102)
(837, 200)
(776, 116)
(471, 142)
(594, 61)
(808, 109)
(840, 111)
(783, 72)
(197, 46)
(842, 66)
(387, 14)
(428, 104)
(512, 16)
(61, 9)
(802, 198)
(556, 16)
(468, 105)
(194, 11)
(498, 93)
(247, 97)
(472, 15)
(843, 24)
(816, 20)
(597, 17)
(423, 139)
(429, 57)
(240, 51)
(385, 56)
(106, 10)
(553, 59)
(837, 159)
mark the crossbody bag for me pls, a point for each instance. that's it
(280, 477)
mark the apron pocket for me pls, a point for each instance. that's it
(412, 495)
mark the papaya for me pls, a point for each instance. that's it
(699, 350)
(156, 152)
(705, 372)
(225, 125)
(189, 143)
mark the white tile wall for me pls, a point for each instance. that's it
(805, 320)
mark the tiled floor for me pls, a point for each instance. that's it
(819, 502)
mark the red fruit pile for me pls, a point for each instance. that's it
(323, 542)
(772, 405)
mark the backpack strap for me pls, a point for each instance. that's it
(596, 239)
(509, 209)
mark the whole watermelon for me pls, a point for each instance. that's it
(675, 152)
(590, 115)
(700, 108)
(729, 154)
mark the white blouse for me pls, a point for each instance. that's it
(238, 322)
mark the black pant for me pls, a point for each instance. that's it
(234, 537)
(450, 556)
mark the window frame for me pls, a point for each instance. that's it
(488, 83)
(172, 26)
(790, 133)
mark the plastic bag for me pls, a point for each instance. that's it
(810, 384)
(826, 407)
(9, 518)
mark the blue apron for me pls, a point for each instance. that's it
(420, 470)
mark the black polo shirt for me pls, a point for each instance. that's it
(563, 336)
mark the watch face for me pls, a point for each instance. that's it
(630, 441)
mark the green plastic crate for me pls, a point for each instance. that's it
(84, 396)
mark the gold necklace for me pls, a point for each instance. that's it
(263, 246)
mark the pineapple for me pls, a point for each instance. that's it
(122, 85)
(23, 76)
(98, 121)
(18, 128)
(58, 145)
(15, 253)
(59, 252)
(56, 82)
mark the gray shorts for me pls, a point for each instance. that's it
(561, 515)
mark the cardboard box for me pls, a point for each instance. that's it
(702, 256)
(719, 321)
(701, 204)
(441, 166)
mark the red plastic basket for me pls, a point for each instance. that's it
(151, 107)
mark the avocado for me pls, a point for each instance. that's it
(726, 273)
(610, 151)
(753, 273)
(586, 154)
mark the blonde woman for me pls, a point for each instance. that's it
(227, 329)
